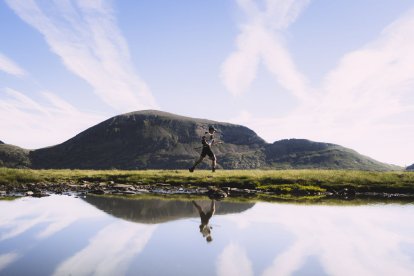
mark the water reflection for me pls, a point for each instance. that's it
(150, 210)
(363, 240)
(62, 235)
(205, 227)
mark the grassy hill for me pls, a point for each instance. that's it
(153, 139)
(14, 157)
(301, 154)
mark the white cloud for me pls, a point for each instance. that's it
(363, 103)
(345, 240)
(84, 34)
(28, 213)
(261, 39)
(7, 259)
(10, 67)
(110, 251)
(47, 122)
(234, 261)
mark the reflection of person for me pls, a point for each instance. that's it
(205, 228)
(207, 141)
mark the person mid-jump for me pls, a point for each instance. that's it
(207, 141)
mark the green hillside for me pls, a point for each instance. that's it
(151, 140)
(301, 154)
(14, 157)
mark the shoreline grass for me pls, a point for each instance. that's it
(277, 181)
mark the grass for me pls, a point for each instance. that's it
(282, 181)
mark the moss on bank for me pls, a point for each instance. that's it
(275, 181)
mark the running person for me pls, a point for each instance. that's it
(207, 140)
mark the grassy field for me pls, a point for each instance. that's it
(284, 181)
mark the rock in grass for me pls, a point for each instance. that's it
(216, 193)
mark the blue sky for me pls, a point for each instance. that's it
(330, 71)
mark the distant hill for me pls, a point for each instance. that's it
(14, 157)
(410, 168)
(301, 153)
(159, 140)
(1, 142)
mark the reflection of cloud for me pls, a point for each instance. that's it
(110, 251)
(363, 240)
(85, 35)
(234, 261)
(28, 213)
(6, 259)
(42, 120)
(10, 67)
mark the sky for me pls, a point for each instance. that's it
(330, 71)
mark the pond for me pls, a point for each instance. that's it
(66, 235)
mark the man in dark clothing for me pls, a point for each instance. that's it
(207, 141)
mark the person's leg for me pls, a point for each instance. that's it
(213, 207)
(212, 157)
(198, 207)
(196, 163)
(212, 210)
(213, 163)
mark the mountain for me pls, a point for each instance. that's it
(410, 168)
(14, 157)
(1, 142)
(151, 140)
(159, 140)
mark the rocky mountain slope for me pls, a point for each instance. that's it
(159, 140)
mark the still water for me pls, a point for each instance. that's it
(62, 235)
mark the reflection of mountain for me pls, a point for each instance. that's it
(157, 210)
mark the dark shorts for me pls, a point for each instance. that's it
(207, 151)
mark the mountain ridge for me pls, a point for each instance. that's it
(152, 139)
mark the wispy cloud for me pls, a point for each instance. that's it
(10, 67)
(85, 35)
(31, 213)
(7, 259)
(110, 251)
(356, 236)
(363, 103)
(49, 120)
(234, 261)
(261, 40)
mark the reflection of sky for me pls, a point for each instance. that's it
(363, 240)
(93, 242)
(62, 235)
